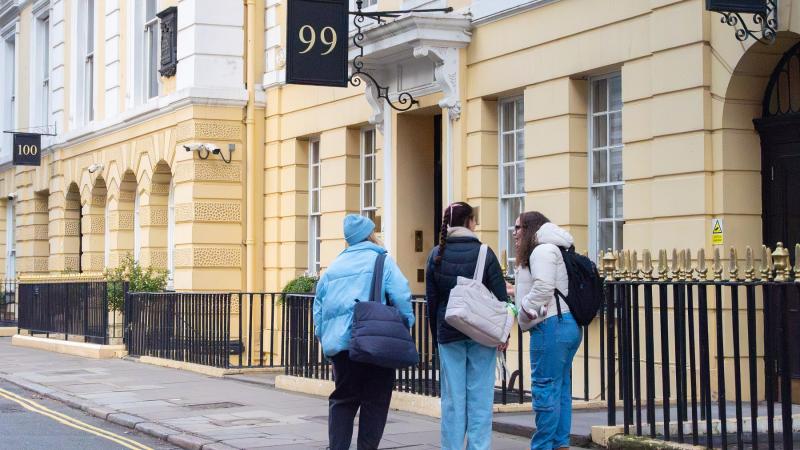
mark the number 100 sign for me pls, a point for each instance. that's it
(317, 38)
(27, 149)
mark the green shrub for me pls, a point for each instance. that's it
(300, 285)
(139, 279)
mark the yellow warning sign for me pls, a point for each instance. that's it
(717, 232)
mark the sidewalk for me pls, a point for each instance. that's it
(195, 411)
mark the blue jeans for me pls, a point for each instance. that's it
(467, 376)
(554, 343)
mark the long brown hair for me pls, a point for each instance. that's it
(458, 214)
(530, 222)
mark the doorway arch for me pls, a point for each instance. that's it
(779, 129)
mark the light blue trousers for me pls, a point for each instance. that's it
(468, 372)
(554, 343)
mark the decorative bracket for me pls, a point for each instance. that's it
(375, 102)
(446, 61)
(405, 100)
(767, 21)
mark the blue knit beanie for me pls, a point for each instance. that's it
(357, 228)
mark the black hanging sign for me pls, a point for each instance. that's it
(317, 42)
(737, 6)
(169, 41)
(27, 149)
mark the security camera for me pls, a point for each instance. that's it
(11, 196)
(203, 147)
(95, 167)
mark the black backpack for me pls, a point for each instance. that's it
(585, 287)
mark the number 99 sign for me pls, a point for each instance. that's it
(316, 39)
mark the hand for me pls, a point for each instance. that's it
(502, 347)
(509, 289)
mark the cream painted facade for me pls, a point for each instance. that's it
(685, 93)
(629, 122)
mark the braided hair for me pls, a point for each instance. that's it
(458, 214)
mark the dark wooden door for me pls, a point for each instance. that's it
(780, 175)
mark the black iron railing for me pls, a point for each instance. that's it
(708, 362)
(8, 303)
(189, 327)
(66, 309)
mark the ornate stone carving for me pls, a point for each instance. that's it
(97, 224)
(208, 129)
(41, 264)
(153, 216)
(446, 60)
(208, 212)
(208, 171)
(40, 205)
(72, 227)
(209, 257)
(41, 232)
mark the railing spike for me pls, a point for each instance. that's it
(749, 265)
(647, 266)
(663, 269)
(765, 266)
(635, 275)
(702, 269)
(681, 257)
(626, 264)
(733, 264)
(717, 267)
(797, 263)
(690, 274)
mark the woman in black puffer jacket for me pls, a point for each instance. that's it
(467, 367)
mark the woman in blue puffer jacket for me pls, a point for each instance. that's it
(367, 386)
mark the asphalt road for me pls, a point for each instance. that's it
(46, 426)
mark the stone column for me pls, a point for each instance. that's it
(481, 165)
(153, 219)
(292, 239)
(31, 220)
(208, 209)
(64, 214)
(120, 223)
(93, 232)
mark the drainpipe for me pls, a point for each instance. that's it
(250, 165)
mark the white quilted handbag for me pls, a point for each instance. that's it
(473, 310)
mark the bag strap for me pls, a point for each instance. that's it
(479, 267)
(377, 279)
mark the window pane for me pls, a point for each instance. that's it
(618, 202)
(90, 26)
(618, 234)
(507, 119)
(315, 152)
(315, 202)
(520, 179)
(314, 178)
(152, 67)
(368, 195)
(616, 93)
(520, 146)
(605, 200)
(508, 148)
(508, 180)
(599, 166)
(616, 164)
(520, 122)
(600, 96)
(150, 12)
(606, 235)
(600, 131)
(615, 129)
(368, 168)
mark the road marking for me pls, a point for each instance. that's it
(71, 421)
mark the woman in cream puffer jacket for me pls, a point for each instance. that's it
(554, 338)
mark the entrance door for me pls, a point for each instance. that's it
(437, 176)
(780, 175)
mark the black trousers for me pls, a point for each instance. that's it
(362, 386)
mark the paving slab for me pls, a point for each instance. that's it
(196, 411)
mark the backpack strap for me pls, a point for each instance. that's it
(481, 265)
(376, 288)
(556, 293)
